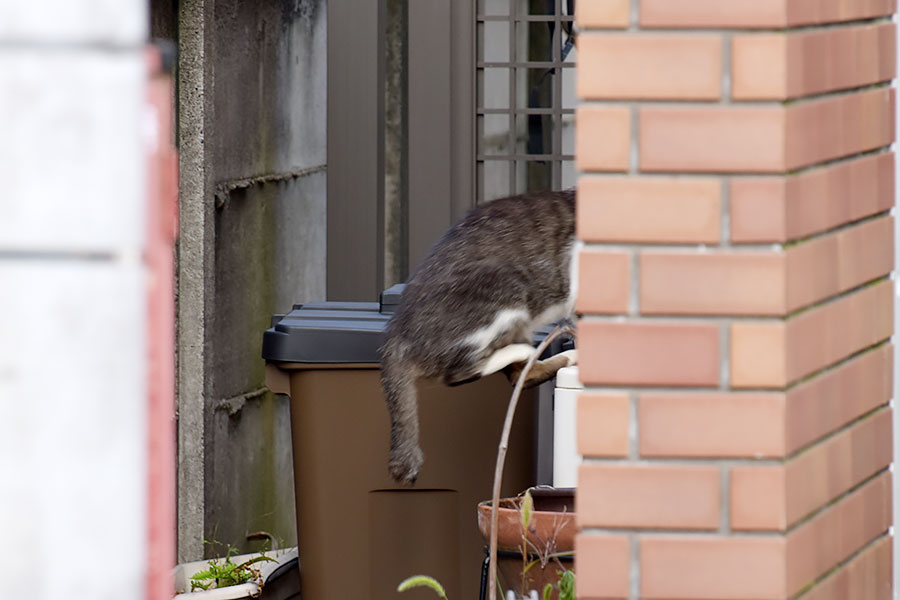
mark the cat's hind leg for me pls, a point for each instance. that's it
(541, 370)
(502, 358)
(471, 369)
(513, 358)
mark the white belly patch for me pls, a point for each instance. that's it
(504, 320)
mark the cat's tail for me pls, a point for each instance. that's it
(398, 382)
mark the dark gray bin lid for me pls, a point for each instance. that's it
(331, 332)
(339, 332)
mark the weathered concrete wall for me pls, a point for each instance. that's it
(396, 130)
(252, 107)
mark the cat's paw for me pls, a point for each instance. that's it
(571, 357)
(404, 465)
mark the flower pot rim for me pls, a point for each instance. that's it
(544, 522)
(537, 494)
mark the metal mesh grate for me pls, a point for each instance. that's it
(525, 100)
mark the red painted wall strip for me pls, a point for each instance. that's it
(162, 216)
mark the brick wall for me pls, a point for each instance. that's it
(733, 201)
(161, 230)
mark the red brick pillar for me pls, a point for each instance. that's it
(733, 201)
(162, 228)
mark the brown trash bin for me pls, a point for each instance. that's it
(359, 533)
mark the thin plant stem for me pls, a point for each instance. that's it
(501, 451)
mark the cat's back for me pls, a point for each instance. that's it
(510, 252)
(510, 231)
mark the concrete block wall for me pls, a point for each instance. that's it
(252, 243)
(733, 200)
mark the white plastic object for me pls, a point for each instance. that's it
(184, 572)
(565, 452)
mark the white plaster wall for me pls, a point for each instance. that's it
(71, 145)
(72, 441)
(74, 21)
(72, 299)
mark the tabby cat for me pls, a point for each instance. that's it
(506, 269)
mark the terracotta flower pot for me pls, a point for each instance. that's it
(551, 531)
